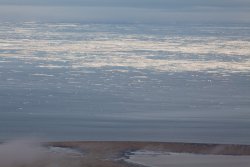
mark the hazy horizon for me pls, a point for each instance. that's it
(119, 11)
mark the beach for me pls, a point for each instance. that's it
(31, 152)
(158, 154)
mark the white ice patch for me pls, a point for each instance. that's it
(43, 75)
(31, 153)
(168, 159)
(220, 54)
(66, 151)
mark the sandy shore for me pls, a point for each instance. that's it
(114, 154)
(30, 153)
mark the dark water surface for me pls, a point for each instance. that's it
(125, 82)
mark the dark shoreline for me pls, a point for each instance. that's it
(117, 153)
(178, 147)
(114, 153)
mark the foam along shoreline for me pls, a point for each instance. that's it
(163, 159)
(72, 152)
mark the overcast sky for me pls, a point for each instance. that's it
(127, 11)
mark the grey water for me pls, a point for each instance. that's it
(64, 81)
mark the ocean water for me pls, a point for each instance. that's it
(64, 81)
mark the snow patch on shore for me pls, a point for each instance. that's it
(168, 159)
